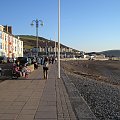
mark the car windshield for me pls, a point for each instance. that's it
(1, 58)
(22, 60)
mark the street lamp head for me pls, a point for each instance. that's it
(32, 24)
(42, 24)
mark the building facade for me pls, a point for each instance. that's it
(49, 49)
(10, 46)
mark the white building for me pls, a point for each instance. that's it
(10, 46)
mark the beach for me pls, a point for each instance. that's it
(98, 82)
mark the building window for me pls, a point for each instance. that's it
(5, 47)
(5, 38)
(0, 45)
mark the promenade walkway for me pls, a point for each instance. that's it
(35, 98)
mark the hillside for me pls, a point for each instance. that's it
(112, 53)
(30, 42)
(108, 53)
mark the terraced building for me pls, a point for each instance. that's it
(10, 46)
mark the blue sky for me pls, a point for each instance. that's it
(86, 25)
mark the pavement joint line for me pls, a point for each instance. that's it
(65, 98)
(26, 93)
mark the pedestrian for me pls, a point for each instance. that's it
(42, 60)
(35, 65)
(17, 63)
(53, 59)
(16, 71)
(45, 67)
(25, 71)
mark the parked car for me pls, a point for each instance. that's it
(22, 60)
(3, 59)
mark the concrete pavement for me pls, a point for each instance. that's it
(35, 98)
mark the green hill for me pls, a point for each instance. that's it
(29, 42)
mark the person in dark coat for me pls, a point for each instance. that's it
(45, 67)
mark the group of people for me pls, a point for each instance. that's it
(20, 70)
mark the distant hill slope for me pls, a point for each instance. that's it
(114, 53)
(30, 42)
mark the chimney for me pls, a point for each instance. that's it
(10, 29)
(6, 28)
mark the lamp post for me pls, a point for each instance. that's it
(58, 38)
(46, 48)
(55, 49)
(37, 25)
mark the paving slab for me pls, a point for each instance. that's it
(35, 98)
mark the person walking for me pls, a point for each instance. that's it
(45, 67)
(53, 59)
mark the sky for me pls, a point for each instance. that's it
(85, 25)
